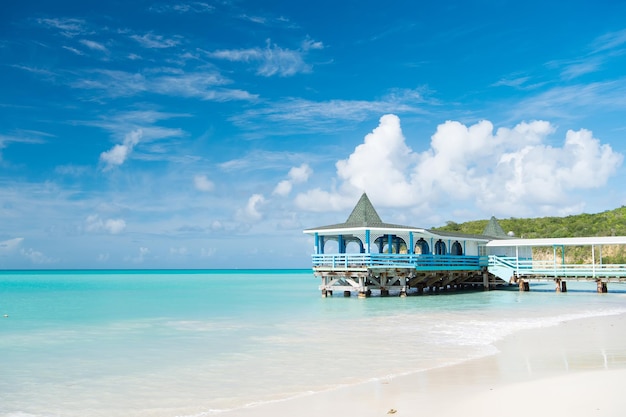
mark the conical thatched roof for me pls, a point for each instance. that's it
(363, 215)
(493, 229)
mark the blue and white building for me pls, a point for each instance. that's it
(365, 254)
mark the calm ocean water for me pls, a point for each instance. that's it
(198, 343)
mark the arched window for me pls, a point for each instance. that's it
(355, 246)
(330, 245)
(421, 247)
(440, 247)
(398, 245)
(456, 248)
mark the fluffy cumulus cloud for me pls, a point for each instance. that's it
(119, 153)
(297, 175)
(202, 183)
(251, 211)
(96, 224)
(508, 171)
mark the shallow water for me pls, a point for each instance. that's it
(190, 343)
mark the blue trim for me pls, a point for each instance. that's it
(317, 243)
(367, 241)
(410, 248)
(389, 244)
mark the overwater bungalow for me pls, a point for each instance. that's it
(364, 254)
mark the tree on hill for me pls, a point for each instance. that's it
(606, 223)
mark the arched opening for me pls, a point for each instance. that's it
(440, 247)
(355, 246)
(456, 249)
(374, 248)
(398, 245)
(421, 247)
(330, 246)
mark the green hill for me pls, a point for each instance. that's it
(606, 223)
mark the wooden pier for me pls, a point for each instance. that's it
(366, 256)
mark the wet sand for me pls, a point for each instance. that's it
(574, 369)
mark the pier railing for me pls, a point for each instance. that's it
(530, 268)
(380, 260)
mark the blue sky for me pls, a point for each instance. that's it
(209, 134)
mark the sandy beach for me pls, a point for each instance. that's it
(576, 368)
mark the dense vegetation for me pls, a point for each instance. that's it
(607, 223)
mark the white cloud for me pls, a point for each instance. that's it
(251, 211)
(301, 115)
(202, 183)
(184, 7)
(380, 163)
(11, 244)
(68, 27)
(296, 175)
(283, 188)
(74, 50)
(141, 256)
(311, 44)
(272, 60)
(609, 41)
(37, 257)
(114, 226)
(95, 224)
(205, 85)
(300, 174)
(119, 153)
(508, 172)
(179, 251)
(152, 41)
(94, 45)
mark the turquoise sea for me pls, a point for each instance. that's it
(199, 343)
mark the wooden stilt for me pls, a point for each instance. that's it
(485, 280)
(384, 292)
(403, 287)
(347, 293)
(558, 284)
(324, 293)
(524, 285)
(563, 286)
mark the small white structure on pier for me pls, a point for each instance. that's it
(512, 260)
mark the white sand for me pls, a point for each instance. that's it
(576, 369)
